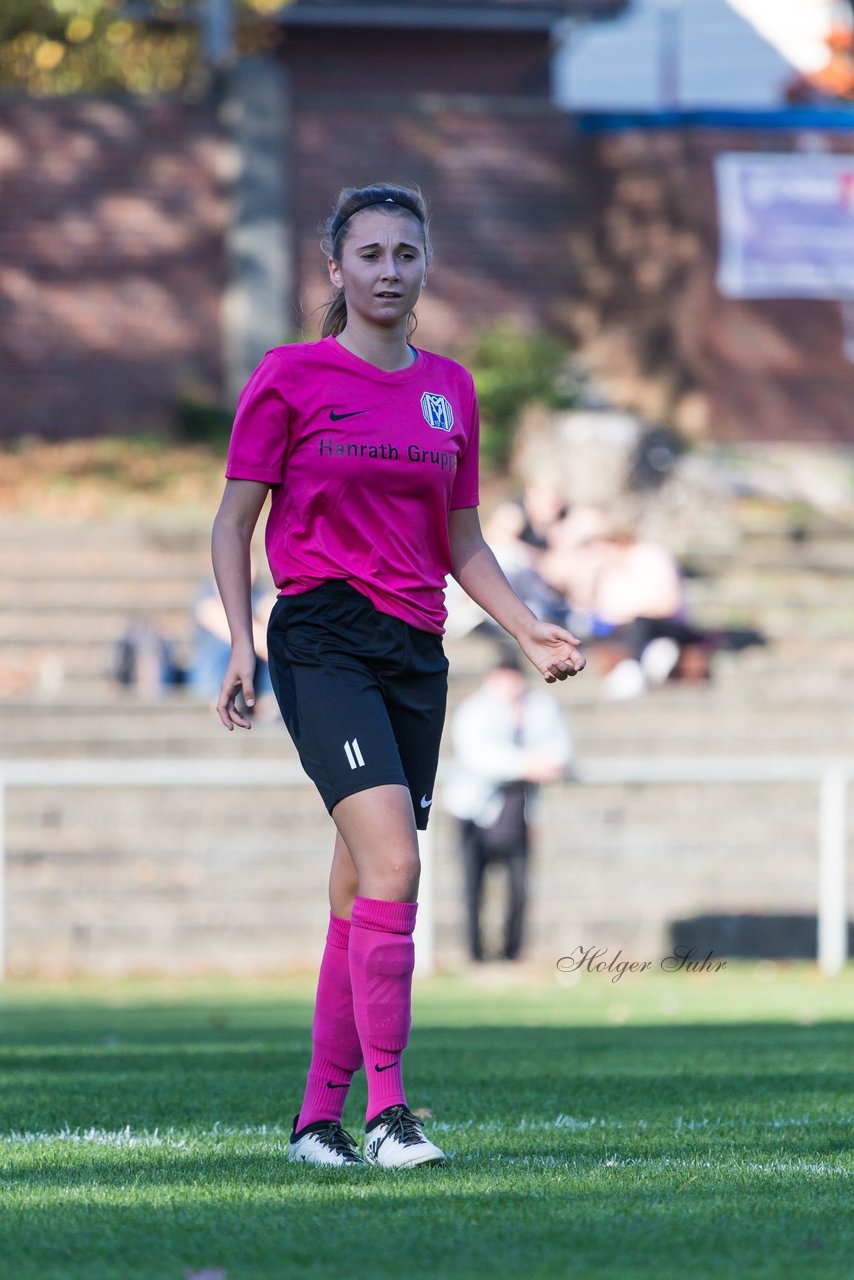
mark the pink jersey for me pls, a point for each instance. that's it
(364, 467)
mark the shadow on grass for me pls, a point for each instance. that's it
(614, 1152)
(199, 1076)
(256, 1218)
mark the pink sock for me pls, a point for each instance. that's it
(382, 957)
(336, 1052)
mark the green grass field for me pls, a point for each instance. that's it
(669, 1125)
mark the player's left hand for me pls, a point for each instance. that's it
(552, 650)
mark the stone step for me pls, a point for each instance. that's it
(88, 594)
(117, 562)
(816, 670)
(186, 726)
(271, 742)
(44, 667)
(69, 626)
(113, 812)
(815, 602)
(169, 529)
(174, 527)
(743, 587)
(79, 595)
(254, 746)
(70, 560)
(29, 548)
(831, 549)
(53, 664)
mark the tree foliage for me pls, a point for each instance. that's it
(141, 46)
(513, 369)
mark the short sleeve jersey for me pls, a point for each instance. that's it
(364, 466)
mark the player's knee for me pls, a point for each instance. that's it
(398, 874)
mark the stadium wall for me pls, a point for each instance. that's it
(116, 256)
(182, 880)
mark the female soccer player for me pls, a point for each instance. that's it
(370, 448)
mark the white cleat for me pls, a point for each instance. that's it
(325, 1142)
(395, 1140)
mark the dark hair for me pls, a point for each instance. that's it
(387, 196)
(507, 660)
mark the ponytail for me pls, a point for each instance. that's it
(334, 315)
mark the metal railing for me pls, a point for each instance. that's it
(830, 774)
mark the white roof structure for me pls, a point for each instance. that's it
(691, 54)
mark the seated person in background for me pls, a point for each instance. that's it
(543, 507)
(144, 659)
(519, 557)
(628, 594)
(212, 645)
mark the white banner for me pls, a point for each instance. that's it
(786, 225)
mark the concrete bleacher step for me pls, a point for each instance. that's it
(49, 677)
(111, 558)
(688, 720)
(831, 548)
(85, 593)
(745, 587)
(113, 597)
(86, 624)
(168, 529)
(81, 646)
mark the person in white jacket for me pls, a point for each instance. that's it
(507, 739)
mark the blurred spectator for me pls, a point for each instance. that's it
(627, 598)
(543, 506)
(638, 610)
(212, 644)
(518, 550)
(145, 660)
(507, 740)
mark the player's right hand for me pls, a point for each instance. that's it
(239, 675)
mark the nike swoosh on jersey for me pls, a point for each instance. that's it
(425, 803)
(336, 417)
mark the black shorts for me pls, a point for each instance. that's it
(362, 693)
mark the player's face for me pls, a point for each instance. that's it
(382, 266)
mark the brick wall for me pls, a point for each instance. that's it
(113, 256)
(647, 313)
(111, 263)
(113, 241)
(497, 178)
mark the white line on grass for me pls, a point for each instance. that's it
(657, 1164)
(175, 1140)
(751, 1166)
(172, 1137)
(574, 1124)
